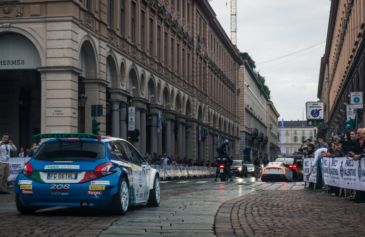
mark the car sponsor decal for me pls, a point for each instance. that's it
(57, 167)
(25, 182)
(60, 187)
(27, 191)
(26, 186)
(94, 192)
(100, 182)
(96, 187)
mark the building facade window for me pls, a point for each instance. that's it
(122, 17)
(295, 139)
(178, 62)
(111, 13)
(133, 22)
(151, 37)
(172, 55)
(143, 29)
(88, 5)
(159, 48)
(166, 49)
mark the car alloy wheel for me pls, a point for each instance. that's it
(124, 195)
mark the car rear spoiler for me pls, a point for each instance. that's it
(40, 136)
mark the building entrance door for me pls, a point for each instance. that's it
(20, 105)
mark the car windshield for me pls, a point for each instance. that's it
(286, 160)
(275, 164)
(237, 162)
(249, 165)
(70, 151)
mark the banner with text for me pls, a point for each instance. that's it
(16, 165)
(343, 172)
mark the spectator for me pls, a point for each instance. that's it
(321, 143)
(6, 147)
(21, 152)
(164, 163)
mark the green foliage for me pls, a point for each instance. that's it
(245, 56)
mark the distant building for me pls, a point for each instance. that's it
(253, 114)
(293, 133)
(165, 70)
(272, 148)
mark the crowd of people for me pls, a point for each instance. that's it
(350, 143)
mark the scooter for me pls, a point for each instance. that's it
(222, 169)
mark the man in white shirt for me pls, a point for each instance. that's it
(6, 147)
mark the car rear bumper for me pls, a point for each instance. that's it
(273, 177)
(79, 194)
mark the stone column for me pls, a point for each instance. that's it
(123, 121)
(181, 138)
(143, 132)
(115, 119)
(154, 141)
(168, 137)
(138, 127)
(59, 111)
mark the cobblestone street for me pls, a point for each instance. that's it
(290, 213)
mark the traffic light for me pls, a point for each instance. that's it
(95, 127)
(350, 124)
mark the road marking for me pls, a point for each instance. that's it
(183, 182)
(164, 182)
(201, 182)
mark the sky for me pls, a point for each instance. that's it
(286, 39)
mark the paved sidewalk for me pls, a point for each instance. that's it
(290, 213)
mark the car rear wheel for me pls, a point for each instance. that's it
(120, 202)
(154, 198)
(23, 209)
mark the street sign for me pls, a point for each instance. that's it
(314, 110)
(350, 112)
(356, 99)
(131, 118)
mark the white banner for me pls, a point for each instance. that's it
(16, 165)
(131, 118)
(343, 172)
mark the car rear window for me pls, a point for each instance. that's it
(237, 162)
(70, 151)
(286, 161)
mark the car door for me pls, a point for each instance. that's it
(140, 173)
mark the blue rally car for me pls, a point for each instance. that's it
(84, 170)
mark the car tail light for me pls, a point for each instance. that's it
(28, 170)
(100, 170)
(293, 167)
(221, 166)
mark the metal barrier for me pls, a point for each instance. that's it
(181, 171)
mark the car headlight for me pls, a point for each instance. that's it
(239, 168)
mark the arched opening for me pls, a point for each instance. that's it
(122, 74)
(88, 71)
(20, 90)
(112, 82)
(133, 83)
(151, 91)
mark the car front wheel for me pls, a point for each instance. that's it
(154, 198)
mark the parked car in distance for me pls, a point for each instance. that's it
(295, 164)
(276, 171)
(248, 169)
(236, 168)
(85, 170)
